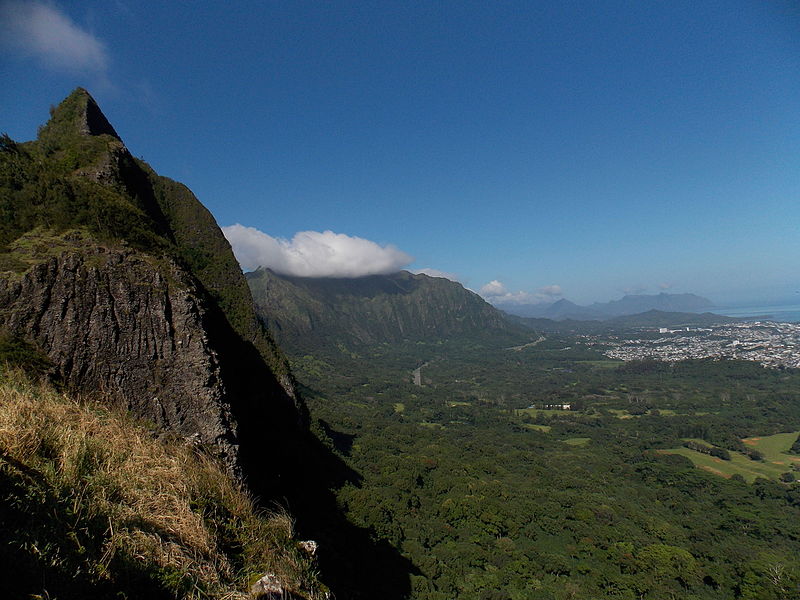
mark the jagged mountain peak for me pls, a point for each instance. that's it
(125, 282)
(77, 114)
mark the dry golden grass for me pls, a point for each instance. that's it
(166, 505)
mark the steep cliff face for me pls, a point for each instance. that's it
(127, 284)
(204, 248)
(113, 320)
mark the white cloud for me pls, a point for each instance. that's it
(313, 253)
(44, 31)
(516, 298)
(497, 293)
(665, 286)
(493, 288)
(551, 291)
(437, 273)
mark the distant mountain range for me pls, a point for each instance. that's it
(601, 311)
(651, 318)
(305, 313)
(313, 314)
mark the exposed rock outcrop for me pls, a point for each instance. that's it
(92, 121)
(133, 328)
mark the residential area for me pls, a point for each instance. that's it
(769, 343)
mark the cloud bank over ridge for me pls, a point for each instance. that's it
(314, 253)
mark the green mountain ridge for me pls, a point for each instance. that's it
(305, 313)
(80, 149)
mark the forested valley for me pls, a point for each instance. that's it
(545, 471)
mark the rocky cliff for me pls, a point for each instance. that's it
(123, 279)
(114, 321)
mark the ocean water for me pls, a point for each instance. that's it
(786, 313)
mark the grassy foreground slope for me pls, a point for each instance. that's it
(92, 505)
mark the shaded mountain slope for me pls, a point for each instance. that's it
(308, 312)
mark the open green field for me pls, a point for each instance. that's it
(544, 428)
(621, 413)
(668, 412)
(601, 364)
(578, 441)
(545, 411)
(773, 447)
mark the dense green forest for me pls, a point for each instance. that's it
(491, 495)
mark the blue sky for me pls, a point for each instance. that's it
(579, 148)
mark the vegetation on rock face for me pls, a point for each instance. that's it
(73, 177)
(38, 189)
(92, 505)
(312, 313)
(22, 354)
(79, 175)
(204, 248)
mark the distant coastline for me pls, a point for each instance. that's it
(789, 313)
